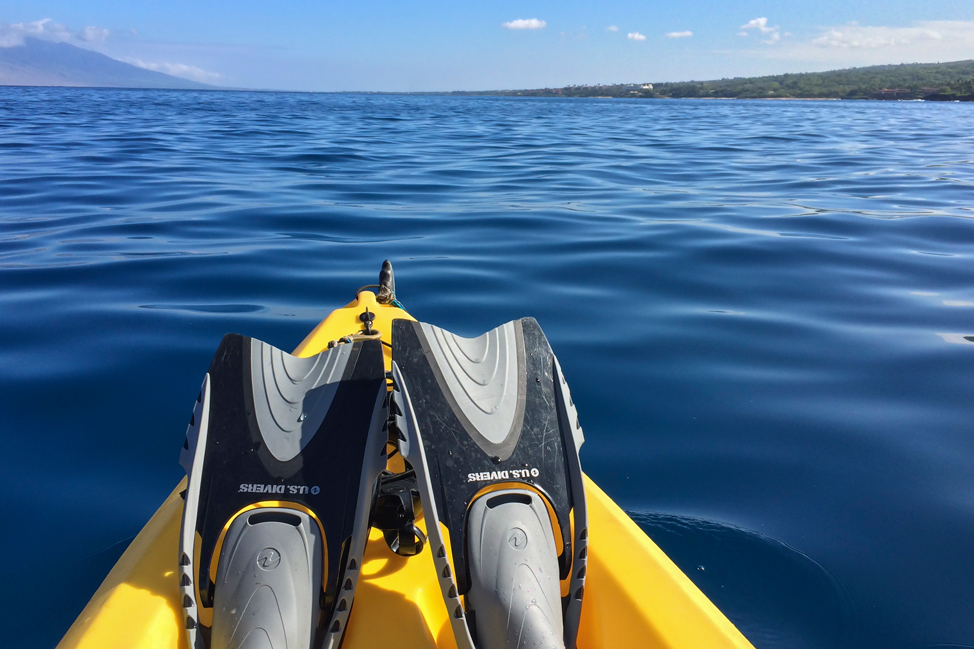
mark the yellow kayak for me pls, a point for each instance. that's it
(634, 595)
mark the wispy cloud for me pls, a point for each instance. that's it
(10, 38)
(856, 36)
(181, 70)
(92, 34)
(46, 29)
(686, 34)
(612, 28)
(525, 23)
(853, 44)
(760, 25)
(635, 36)
(99, 39)
(14, 34)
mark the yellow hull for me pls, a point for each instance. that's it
(634, 595)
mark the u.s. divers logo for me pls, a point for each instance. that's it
(290, 489)
(507, 474)
(268, 559)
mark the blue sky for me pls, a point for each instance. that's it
(439, 45)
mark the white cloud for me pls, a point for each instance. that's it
(48, 30)
(92, 34)
(181, 70)
(761, 25)
(853, 44)
(525, 23)
(10, 38)
(45, 28)
(855, 36)
(14, 34)
(611, 28)
(686, 34)
(635, 36)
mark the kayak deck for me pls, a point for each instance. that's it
(635, 595)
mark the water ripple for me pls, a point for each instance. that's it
(763, 309)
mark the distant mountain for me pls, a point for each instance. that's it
(43, 63)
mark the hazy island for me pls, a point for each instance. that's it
(37, 62)
(929, 81)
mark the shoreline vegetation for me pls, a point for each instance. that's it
(952, 81)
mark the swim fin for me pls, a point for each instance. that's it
(282, 455)
(490, 429)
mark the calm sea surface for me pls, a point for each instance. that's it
(765, 311)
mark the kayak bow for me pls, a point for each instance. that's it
(634, 595)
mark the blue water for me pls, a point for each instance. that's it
(761, 308)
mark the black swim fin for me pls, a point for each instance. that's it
(490, 429)
(282, 455)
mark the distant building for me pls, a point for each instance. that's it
(647, 86)
(893, 93)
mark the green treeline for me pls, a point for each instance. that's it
(931, 81)
(907, 81)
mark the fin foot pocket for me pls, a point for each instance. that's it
(269, 572)
(513, 561)
(282, 454)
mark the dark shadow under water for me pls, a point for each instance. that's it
(777, 596)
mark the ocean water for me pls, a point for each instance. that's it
(765, 311)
